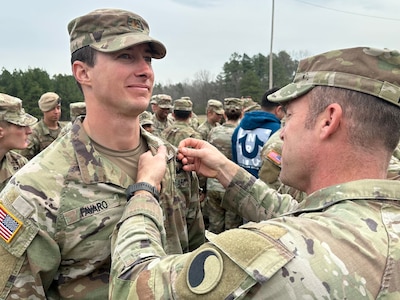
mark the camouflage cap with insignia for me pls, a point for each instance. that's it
(77, 109)
(11, 111)
(163, 100)
(110, 30)
(368, 70)
(145, 118)
(233, 103)
(183, 104)
(249, 104)
(48, 101)
(216, 106)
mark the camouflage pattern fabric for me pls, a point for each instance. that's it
(271, 167)
(342, 242)
(40, 139)
(220, 219)
(194, 121)
(204, 129)
(159, 126)
(10, 164)
(179, 131)
(68, 199)
(110, 30)
(396, 152)
(363, 69)
(394, 168)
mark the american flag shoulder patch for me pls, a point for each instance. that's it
(9, 224)
(275, 157)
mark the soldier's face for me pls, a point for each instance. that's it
(53, 115)
(298, 148)
(122, 80)
(14, 136)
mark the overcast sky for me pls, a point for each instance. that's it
(201, 35)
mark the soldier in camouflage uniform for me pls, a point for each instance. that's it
(194, 119)
(161, 117)
(76, 109)
(14, 131)
(62, 206)
(146, 121)
(341, 242)
(221, 219)
(214, 114)
(48, 128)
(180, 129)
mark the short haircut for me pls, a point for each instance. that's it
(182, 114)
(372, 120)
(265, 103)
(86, 55)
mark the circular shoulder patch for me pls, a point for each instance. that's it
(205, 271)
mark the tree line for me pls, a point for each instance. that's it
(241, 75)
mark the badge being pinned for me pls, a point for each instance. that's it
(9, 224)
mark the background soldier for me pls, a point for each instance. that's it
(14, 131)
(48, 128)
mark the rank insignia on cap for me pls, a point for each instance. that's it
(205, 271)
(9, 225)
(275, 157)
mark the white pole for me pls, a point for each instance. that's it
(271, 81)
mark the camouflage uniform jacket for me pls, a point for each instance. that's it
(179, 131)
(204, 129)
(159, 126)
(220, 137)
(342, 242)
(68, 200)
(10, 164)
(40, 138)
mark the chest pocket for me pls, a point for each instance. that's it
(232, 263)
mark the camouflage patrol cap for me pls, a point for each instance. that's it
(372, 71)
(110, 30)
(48, 101)
(77, 109)
(249, 104)
(233, 103)
(11, 111)
(163, 100)
(216, 106)
(145, 118)
(183, 104)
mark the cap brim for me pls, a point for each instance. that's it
(123, 41)
(290, 92)
(23, 120)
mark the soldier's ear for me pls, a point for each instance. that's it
(81, 72)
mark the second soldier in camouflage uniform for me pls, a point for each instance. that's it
(162, 113)
(341, 242)
(180, 129)
(214, 115)
(219, 218)
(62, 207)
(48, 128)
(14, 131)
